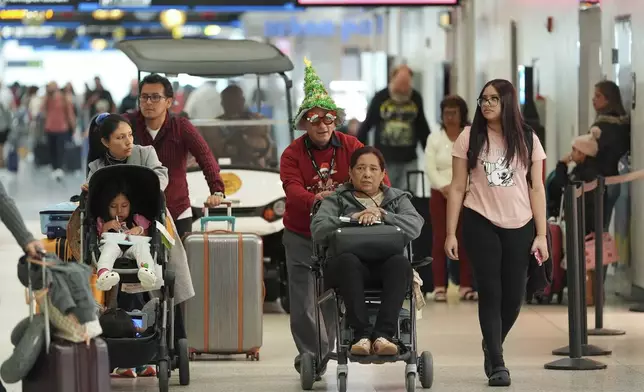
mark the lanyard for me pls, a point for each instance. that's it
(323, 177)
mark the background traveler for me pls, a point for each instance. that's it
(504, 214)
(58, 112)
(612, 129)
(438, 158)
(398, 116)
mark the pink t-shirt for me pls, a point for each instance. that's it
(498, 191)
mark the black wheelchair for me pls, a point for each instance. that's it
(313, 366)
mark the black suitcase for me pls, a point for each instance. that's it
(73, 160)
(41, 154)
(422, 246)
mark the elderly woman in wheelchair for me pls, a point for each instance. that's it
(364, 228)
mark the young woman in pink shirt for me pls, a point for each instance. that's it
(504, 213)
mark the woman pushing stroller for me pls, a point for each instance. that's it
(112, 143)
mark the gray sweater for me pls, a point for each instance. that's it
(11, 217)
(397, 204)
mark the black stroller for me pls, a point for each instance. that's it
(157, 344)
(417, 366)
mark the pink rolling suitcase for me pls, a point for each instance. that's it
(225, 316)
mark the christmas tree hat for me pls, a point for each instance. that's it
(315, 96)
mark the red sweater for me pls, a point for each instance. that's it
(176, 138)
(301, 182)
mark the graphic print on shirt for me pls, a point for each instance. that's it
(325, 183)
(398, 123)
(498, 173)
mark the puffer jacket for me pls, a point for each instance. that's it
(613, 134)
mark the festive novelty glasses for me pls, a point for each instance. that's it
(315, 118)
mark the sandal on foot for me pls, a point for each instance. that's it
(470, 295)
(440, 295)
(487, 365)
(500, 377)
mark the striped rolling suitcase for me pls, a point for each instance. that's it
(225, 316)
(58, 246)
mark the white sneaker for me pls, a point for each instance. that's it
(147, 278)
(107, 280)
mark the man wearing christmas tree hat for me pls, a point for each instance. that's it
(311, 168)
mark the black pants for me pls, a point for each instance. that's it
(56, 142)
(500, 259)
(350, 276)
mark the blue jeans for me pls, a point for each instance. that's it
(612, 194)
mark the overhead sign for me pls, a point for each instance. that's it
(36, 3)
(377, 3)
(323, 28)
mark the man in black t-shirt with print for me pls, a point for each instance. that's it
(397, 114)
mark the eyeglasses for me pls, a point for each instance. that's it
(100, 118)
(328, 119)
(155, 98)
(492, 101)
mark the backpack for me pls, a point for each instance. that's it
(528, 132)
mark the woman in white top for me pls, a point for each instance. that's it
(438, 155)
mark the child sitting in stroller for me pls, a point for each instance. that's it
(117, 216)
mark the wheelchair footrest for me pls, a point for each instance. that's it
(378, 359)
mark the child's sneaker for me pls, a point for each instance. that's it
(107, 280)
(147, 278)
(146, 371)
(125, 372)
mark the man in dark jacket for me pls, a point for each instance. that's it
(398, 115)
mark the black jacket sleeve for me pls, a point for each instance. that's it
(373, 116)
(421, 126)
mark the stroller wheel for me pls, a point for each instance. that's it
(183, 361)
(410, 382)
(342, 382)
(163, 374)
(307, 371)
(426, 369)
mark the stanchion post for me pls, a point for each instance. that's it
(599, 329)
(587, 350)
(574, 360)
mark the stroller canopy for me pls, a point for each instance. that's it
(142, 183)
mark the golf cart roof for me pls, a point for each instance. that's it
(208, 58)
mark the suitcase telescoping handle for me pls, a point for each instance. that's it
(229, 218)
(417, 173)
(32, 295)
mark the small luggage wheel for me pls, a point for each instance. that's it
(184, 362)
(307, 371)
(410, 382)
(254, 356)
(342, 382)
(426, 369)
(163, 373)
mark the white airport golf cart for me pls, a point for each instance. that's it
(246, 147)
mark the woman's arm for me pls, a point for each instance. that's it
(152, 161)
(435, 179)
(10, 216)
(456, 193)
(538, 198)
(326, 220)
(407, 219)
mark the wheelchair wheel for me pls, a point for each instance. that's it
(342, 383)
(183, 362)
(410, 382)
(426, 369)
(307, 371)
(164, 376)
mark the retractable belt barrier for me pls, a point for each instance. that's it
(578, 332)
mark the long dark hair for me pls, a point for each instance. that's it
(109, 192)
(611, 92)
(101, 127)
(513, 127)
